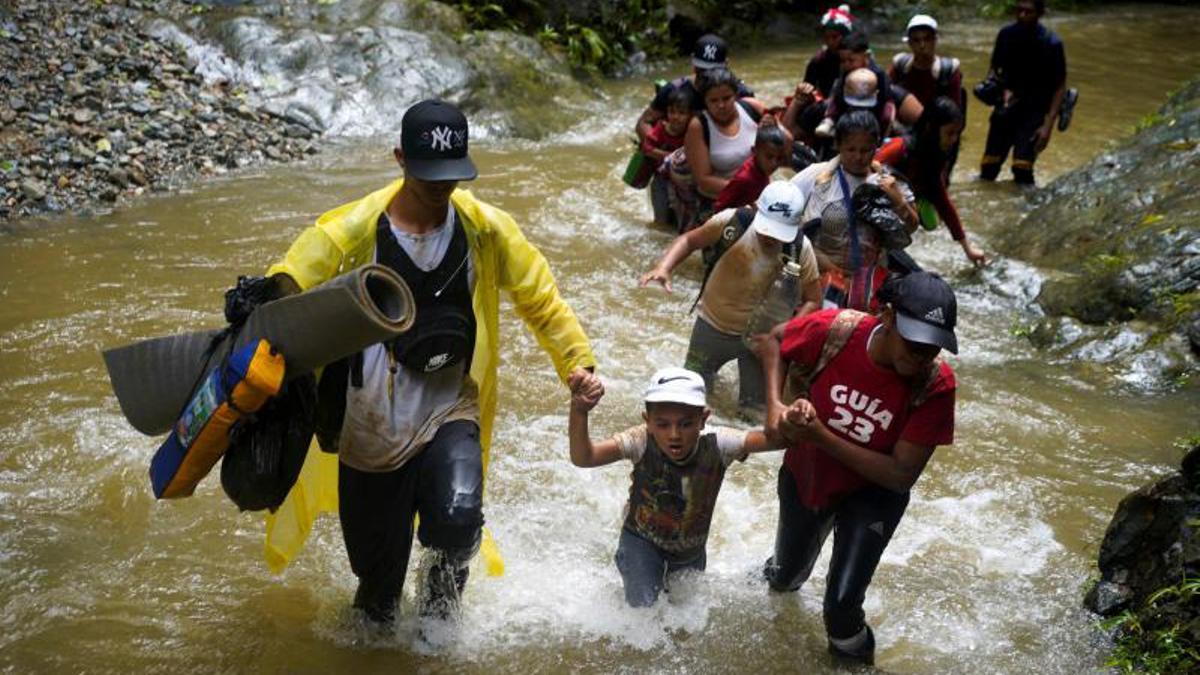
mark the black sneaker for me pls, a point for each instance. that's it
(1067, 108)
(861, 653)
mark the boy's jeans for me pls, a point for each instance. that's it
(645, 568)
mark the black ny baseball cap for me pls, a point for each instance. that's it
(926, 309)
(433, 136)
(710, 52)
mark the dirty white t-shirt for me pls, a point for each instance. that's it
(742, 276)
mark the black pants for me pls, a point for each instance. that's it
(862, 525)
(444, 485)
(1012, 128)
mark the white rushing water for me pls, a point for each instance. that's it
(984, 574)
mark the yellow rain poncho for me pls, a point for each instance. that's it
(343, 239)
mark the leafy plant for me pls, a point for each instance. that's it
(617, 29)
(1153, 640)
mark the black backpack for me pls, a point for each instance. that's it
(946, 67)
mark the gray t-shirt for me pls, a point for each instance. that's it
(398, 410)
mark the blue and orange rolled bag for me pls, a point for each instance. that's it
(240, 386)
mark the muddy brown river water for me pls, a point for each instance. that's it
(984, 574)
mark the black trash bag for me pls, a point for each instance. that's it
(250, 292)
(331, 399)
(803, 156)
(267, 450)
(873, 207)
(990, 91)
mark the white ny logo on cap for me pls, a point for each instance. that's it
(441, 138)
(710, 52)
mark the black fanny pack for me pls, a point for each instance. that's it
(442, 336)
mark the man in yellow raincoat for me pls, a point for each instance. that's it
(418, 413)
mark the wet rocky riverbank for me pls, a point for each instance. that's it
(95, 110)
(104, 101)
(1120, 240)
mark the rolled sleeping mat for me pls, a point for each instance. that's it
(154, 379)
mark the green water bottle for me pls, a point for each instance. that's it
(928, 214)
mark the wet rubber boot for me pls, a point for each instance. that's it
(445, 580)
(377, 610)
(859, 649)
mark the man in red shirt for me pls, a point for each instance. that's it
(878, 402)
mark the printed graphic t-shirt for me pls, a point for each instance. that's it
(862, 403)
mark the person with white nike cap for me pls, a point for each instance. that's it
(874, 400)
(750, 246)
(678, 468)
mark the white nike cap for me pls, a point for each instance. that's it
(677, 385)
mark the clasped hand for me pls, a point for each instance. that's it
(799, 421)
(586, 389)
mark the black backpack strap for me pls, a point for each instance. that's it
(945, 72)
(733, 230)
(750, 110)
(902, 62)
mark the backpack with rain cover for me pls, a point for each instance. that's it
(267, 449)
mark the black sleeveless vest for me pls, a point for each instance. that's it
(444, 332)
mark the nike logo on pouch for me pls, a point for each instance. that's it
(876, 527)
(935, 315)
(665, 380)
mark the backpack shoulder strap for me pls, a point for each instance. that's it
(902, 62)
(750, 110)
(733, 230)
(947, 66)
(801, 375)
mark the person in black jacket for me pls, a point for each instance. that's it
(1030, 64)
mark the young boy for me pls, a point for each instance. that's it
(678, 467)
(772, 149)
(663, 138)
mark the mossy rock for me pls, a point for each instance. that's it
(515, 74)
(1124, 230)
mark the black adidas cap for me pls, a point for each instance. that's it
(926, 309)
(433, 136)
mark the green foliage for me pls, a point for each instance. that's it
(1105, 264)
(1020, 329)
(486, 16)
(1147, 121)
(1155, 639)
(619, 29)
(1186, 443)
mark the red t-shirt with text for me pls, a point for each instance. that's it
(860, 402)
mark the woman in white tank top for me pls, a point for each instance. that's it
(731, 132)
